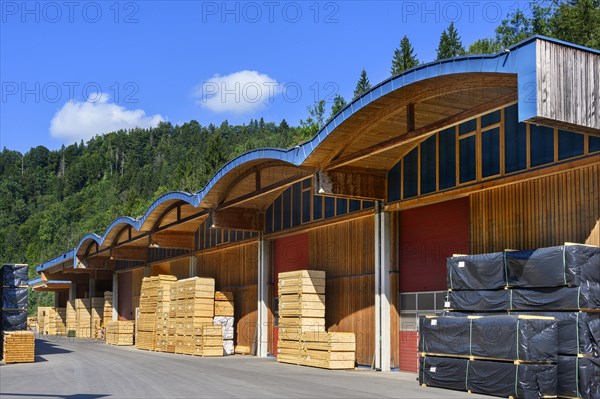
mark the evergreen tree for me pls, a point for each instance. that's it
(338, 104)
(577, 21)
(363, 84)
(404, 57)
(450, 44)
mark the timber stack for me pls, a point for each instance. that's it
(303, 339)
(120, 332)
(224, 315)
(83, 308)
(146, 322)
(542, 305)
(19, 347)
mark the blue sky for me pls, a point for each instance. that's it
(70, 70)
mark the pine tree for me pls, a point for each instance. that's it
(485, 46)
(404, 57)
(363, 84)
(450, 44)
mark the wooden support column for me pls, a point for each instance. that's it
(92, 287)
(192, 266)
(73, 291)
(115, 297)
(382, 289)
(262, 321)
(147, 271)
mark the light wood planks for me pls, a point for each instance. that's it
(19, 347)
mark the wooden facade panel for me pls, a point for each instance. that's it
(563, 95)
(345, 251)
(235, 269)
(547, 211)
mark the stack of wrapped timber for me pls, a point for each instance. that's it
(163, 308)
(120, 333)
(224, 311)
(97, 313)
(19, 347)
(146, 322)
(108, 306)
(194, 309)
(329, 350)
(83, 307)
(13, 298)
(561, 283)
(71, 316)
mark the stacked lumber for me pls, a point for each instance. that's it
(60, 320)
(163, 308)
(224, 310)
(108, 306)
(194, 309)
(208, 341)
(46, 320)
(119, 333)
(301, 310)
(19, 347)
(71, 316)
(97, 317)
(84, 318)
(146, 322)
(329, 350)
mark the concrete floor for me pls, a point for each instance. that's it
(90, 369)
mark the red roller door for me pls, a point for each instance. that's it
(428, 235)
(290, 253)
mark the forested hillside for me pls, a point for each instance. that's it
(50, 198)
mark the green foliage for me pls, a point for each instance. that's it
(485, 46)
(338, 104)
(450, 44)
(363, 84)
(404, 57)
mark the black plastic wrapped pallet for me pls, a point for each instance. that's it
(445, 335)
(508, 379)
(551, 299)
(579, 377)
(443, 372)
(479, 301)
(14, 275)
(578, 332)
(494, 337)
(476, 272)
(569, 264)
(14, 298)
(14, 320)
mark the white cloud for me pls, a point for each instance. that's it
(241, 92)
(83, 120)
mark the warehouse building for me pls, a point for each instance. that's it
(469, 155)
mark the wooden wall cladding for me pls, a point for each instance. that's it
(345, 251)
(235, 269)
(547, 211)
(136, 280)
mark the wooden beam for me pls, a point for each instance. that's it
(415, 134)
(129, 253)
(238, 218)
(173, 239)
(410, 117)
(340, 183)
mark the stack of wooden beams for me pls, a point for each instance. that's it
(84, 318)
(71, 316)
(163, 308)
(194, 308)
(19, 347)
(224, 311)
(60, 321)
(332, 350)
(119, 333)
(45, 324)
(97, 313)
(301, 310)
(207, 341)
(108, 306)
(146, 322)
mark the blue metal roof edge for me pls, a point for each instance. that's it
(516, 61)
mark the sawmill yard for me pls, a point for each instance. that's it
(79, 368)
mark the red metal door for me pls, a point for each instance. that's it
(428, 235)
(290, 253)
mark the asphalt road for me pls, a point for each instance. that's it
(84, 369)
